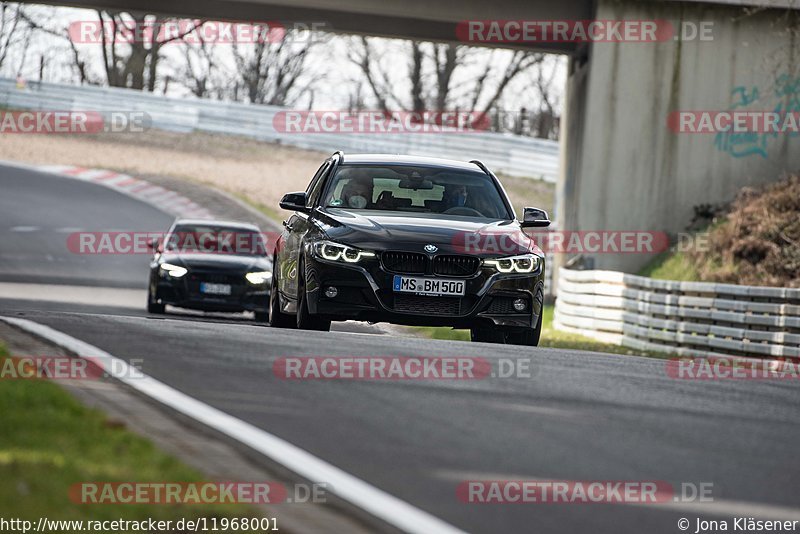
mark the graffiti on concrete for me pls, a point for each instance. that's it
(784, 98)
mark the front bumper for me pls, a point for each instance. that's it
(185, 292)
(365, 294)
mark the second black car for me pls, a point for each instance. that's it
(211, 266)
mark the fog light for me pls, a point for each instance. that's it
(520, 305)
(331, 292)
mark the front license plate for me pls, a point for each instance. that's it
(208, 288)
(429, 286)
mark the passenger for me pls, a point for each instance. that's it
(455, 196)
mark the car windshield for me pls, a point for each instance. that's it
(210, 239)
(410, 188)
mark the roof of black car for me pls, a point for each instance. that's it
(400, 159)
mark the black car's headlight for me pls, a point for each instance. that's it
(328, 250)
(259, 278)
(525, 263)
(174, 271)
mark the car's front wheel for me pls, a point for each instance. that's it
(305, 320)
(487, 335)
(152, 305)
(277, 318)
(528, 336)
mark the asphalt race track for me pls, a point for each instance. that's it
(579, 416)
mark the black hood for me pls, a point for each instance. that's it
(385, 230)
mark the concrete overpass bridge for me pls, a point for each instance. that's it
(622, 168)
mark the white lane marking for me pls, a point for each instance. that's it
(25, 228)
(539, 410)
(372, 500)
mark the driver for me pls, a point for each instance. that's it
(455, 196)
(358, 191)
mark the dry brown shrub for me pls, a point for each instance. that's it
(757, 242)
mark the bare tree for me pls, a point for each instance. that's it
(130, 61)
(81, 66)
(200, 70)
(437, 77)
(46, 23)
(14, 30)
(546, 121)
(276, 73)
(363, 55)
(130, 56)
(356, 100)
(519, 63)
(446, 59)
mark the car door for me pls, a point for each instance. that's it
(294, 228)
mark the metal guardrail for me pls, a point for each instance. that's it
(683, 318)
(504, 153)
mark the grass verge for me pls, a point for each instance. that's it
(672, 265)
(49, 441)
(276, 215)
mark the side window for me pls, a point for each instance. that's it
(317, 183)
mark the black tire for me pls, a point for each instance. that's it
(306, 321)
(153, 306)
(528, 337)
(487, 335)
(277, 319)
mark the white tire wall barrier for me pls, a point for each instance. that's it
(682, 318)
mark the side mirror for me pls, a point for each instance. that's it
(153, 245)
(294, 201)
(535, 218)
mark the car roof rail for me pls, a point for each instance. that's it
(483, 167)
